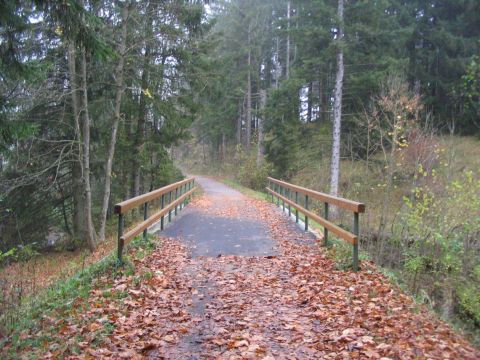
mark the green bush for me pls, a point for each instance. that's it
(248, 173)
(438, 232)
(469, 300)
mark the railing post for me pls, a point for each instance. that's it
(325, 230)
(356, 231)
(272, 187)
(120, 240)
(189, 187)
(184, 202)
(269, 185)
(185, 190)
(180, 192)
(282, 192)
(296, 210)
(277, 190)
(180, 189)
(169, 202)
(163, 217)
(145, 217)
(306, 217)
(176, 197)
(289, 207)
(180, 206)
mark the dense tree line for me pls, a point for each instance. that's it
(291, 48)
(92, 96)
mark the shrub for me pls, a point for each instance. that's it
(248, 172)
(441, 247)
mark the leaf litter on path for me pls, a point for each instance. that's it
(292, 306)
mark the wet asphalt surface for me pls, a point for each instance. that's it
(216, 235)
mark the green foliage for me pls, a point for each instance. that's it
(444, 36)
(26, 217)
(20, 253)
(7, 255)
(342, 253)
(469, 300)
(439, 236)
(248, 173)
(470, 90)
(282, 142)
(39, 141)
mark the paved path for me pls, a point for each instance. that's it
(221, 225)
(226, 235)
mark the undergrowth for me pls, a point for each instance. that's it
(58, 300)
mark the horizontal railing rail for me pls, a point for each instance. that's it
(285, 191)
(173, 197)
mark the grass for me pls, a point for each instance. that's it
(244, 190)
(58, 299)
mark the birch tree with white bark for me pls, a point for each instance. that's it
(337, 106)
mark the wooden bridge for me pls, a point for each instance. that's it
(175, 197)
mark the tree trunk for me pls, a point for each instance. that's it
(260, 145)
(278, 66)
(287, 57)
(115, 122)
(239, 123)
(224, 147)
(87, 191)
(417, 87)
(309, 101)
(337, 108)
(142, 112)
(78, 203)
(323, 94)
(249, 95)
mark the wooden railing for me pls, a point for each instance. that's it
(289, 194)
(172, 196)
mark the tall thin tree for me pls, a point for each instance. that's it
(337, 106)
(249, 89)
(115, 121)
(287, 57)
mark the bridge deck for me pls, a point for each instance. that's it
(220, 225)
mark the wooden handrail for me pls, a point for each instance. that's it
(279, 189)
(126, 205)
(333, 200)
(337, 230)
(180, 190)
(155, 217)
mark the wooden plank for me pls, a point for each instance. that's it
(344, 234)
(334, 200)
(154, 218)
(126, 205)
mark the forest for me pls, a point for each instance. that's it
(376, 101)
